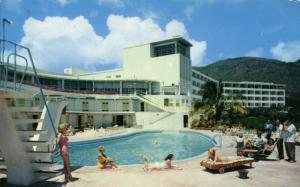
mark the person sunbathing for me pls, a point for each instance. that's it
(167, 164)
(212, 156)
(104, 161)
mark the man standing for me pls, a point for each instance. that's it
(279, 139)
(268, 129)
(290, 141)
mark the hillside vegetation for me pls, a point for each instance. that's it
(256, 69)
(260, 70)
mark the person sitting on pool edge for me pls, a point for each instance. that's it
(167, 164)
(104, 161)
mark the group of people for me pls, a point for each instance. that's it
(107, 162)
(286, 134)
(285, 137)
(103, 161)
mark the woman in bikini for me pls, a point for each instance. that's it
(167, 164)
(212, 156)
(62, 140)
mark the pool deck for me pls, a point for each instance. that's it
(264, 173)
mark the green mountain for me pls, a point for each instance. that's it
(256, 69)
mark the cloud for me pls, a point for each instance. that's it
(65, 2)
(60, 42)
(295, 1)
(149, 14)
(258, 52)
(286, 51)
(118, 3)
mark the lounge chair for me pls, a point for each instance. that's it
(221, 166)
(259, 153)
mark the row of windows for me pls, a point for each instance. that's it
(169, 49)
(164, 50)
(264, 105)
(104, 106)
(198, 84)
(259, 86)
(199, 77)
(257, 98)
(253, 92)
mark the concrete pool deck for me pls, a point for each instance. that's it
(264, 173)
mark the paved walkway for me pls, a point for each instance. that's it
(263, 173)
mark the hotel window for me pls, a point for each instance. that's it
(104, 106)
(85, 106)
(265, 93)
(126, 106)
(164, 50)
(37, 101)
(280, 93)
(265, 104)
(21, 102)
(227, 85)
(257, 86)
(257, 92)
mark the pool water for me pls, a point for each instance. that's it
(128, 149)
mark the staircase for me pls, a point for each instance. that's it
(26, 151)
(27, 132)
(164, 117)
(150, 101)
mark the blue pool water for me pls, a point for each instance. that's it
(127, 149)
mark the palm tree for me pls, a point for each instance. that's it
(211, 104)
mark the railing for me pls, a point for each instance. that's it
(5, 64)
(155, 103)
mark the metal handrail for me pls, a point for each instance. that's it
(35, 75)
(24, 72)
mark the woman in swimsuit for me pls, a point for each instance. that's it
(167, 164)
(62, 140)
(104, 161)
(212, 156)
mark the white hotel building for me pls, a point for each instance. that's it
(249, 94)
(155, 87)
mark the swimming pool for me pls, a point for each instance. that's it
(127, 149)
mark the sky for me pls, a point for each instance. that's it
(90, 34)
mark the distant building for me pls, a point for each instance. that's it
(249, 94)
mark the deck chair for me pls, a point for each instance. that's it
(221, 166)
(258, 154)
